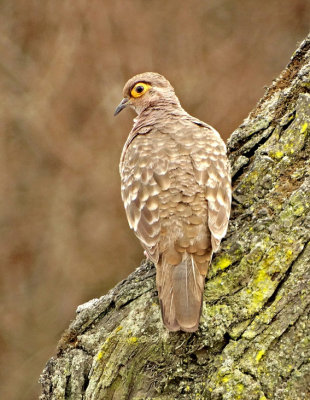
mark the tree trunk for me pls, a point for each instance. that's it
(254, 336)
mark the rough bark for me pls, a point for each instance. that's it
(254, 337)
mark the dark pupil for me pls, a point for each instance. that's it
(139, 89)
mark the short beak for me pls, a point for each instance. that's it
(121, 106)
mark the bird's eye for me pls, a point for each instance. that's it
(139, 89)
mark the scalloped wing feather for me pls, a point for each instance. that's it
(212, 170)
(142, 181)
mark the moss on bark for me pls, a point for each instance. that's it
(254, 337)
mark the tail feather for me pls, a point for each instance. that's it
(180, 290)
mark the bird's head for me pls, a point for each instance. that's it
(145, 90)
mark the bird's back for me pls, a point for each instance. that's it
(167, 206)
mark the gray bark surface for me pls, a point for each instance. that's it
(254, 337)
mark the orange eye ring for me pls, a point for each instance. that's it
(139, 89)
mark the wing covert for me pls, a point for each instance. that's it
(212, 171)
(142, 181)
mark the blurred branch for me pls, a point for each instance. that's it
(40, 88)
(9, 52)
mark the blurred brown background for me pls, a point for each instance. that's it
(64, 234)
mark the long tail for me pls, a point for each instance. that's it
(180, 289)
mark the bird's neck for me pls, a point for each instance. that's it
(159, 110)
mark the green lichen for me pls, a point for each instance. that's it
(99, 356)
(304, 127)
(277, 154)
(222, 263)
(132, 340)
(259, 355)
